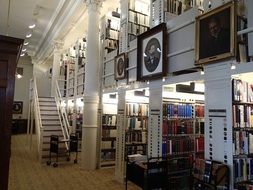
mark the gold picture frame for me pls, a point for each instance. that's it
(216, 34)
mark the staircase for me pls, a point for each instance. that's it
(51, 125)
(50, 119)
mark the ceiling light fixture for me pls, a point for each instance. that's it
(22, 54)
(23, 49)
(32, 26)
(26, 43)
(29, 35)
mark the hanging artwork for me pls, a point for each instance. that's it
(216, 34)
(151, 53)
(120, 65)
(17, 107)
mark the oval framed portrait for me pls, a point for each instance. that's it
(153, 54)
(120, 66)
(17, 107)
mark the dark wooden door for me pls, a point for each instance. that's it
(9, 53)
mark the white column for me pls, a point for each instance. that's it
(91, 97)
(58, 45)
(218, 114)
(155, 119)
(120, 140)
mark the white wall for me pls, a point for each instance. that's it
(41, 71)
(22, 85)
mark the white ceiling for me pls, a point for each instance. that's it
(55, 20)
(22, 13)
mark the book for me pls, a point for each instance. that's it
(208, 171)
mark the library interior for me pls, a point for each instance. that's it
(130, 94)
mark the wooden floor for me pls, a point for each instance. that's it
(26, 173)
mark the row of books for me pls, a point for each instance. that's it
(136, 137)
(178, 146)
(108, 145)
(112, 34)
(138, 18)
(142, 8)
(109, 120)
(242, 91)
(182, 146)
(135, 109)
(200, 144)
(107, 156)
(178, 110)
(242, 116)
(243, 143)
(113, 23)
(137, 124)
(199, 127)
(112, 44)
(174, 127)
(80, 79)
(136, 29)
(199, 111)
(109, 133)
(243, 169)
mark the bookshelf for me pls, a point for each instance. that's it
(108, 130)
(136, 125)
(72, 82)
(134, 20)
(79, 118)
(165, 10)
(182, 134)
(242, 110)
(110, 25)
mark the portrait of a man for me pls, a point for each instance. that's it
(218, 38)
(152, 55)
(214, 34)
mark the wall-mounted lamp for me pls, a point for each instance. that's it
(209, 4)
(233, 67)
(19, 73)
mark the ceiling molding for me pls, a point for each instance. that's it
(50, 24)
(57, 26)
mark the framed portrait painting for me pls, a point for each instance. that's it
(17, 107)
(120, 65)
(151, 53)
(216, 34)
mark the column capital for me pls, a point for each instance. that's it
(58, 45)
(94, 5)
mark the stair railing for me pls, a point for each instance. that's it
(38, 122)
(62, 113)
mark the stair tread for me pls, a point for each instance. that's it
(48, 136)
(49, 114)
